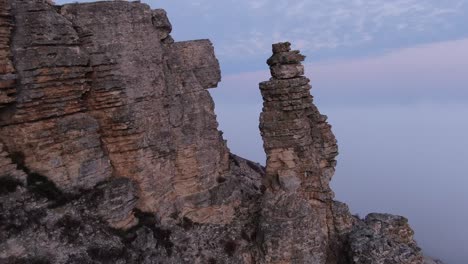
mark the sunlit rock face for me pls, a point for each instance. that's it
(110, 152)
(103, 92)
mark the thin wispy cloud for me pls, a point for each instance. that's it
(319, 25)
(243, 30)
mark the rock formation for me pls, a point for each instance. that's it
(300, 222)
(7, 71)
(110, 152)
(301, 150)
(96, 100)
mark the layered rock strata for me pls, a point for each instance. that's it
(110, 152)
(103, 91)
(7, 71)
(299, 221)
(301, 151)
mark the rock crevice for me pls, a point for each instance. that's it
(110, 152)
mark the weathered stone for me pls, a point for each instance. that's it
(296, 136)
(383, 239)
(161, 22)
(281, 47)
(300, 223)
(7, 71)
(118, 203)
(287, 71)
(36, 227)
(99, 98)
(300, 150)
(291, 57)
(110, 152)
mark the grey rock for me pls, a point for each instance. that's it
(110, 151)
(281, 47)
(103, 92)
(297, 207)
(287, 71)
(383, 239)
(7, 71)
(291, 57)
(41, 223)
(161, 22)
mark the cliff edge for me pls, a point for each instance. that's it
(110, 152)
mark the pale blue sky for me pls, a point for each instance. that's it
(243, 30)
(391, 75)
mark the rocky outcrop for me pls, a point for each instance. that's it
(383, 238)
(301, 150)
(41, 224)
(102, 92)
(7, 71)
(300, 222)
(110, 152)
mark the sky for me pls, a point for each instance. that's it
(392, 77)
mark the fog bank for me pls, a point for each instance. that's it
(409, 160)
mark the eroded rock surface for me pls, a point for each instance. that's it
(41, 224)
(383, 239)
(297, 207)
(300, 222)
(7, 71)
(110, 152)
(101, 93)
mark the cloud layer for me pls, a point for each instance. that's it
(243, 30)
(317, 25)
(427, 73)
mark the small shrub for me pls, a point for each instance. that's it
(43, 187)
(8, 185)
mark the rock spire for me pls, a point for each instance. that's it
(301, 151)
(299, 143)
(110, 152)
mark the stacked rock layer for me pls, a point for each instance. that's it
(300, 149)
(110, 152)
(7, 71)
(299, 144)
(96, 99)
(300, 222)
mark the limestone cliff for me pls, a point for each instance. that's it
(110, 152)
(98, 98)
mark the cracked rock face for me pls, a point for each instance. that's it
(101, 93)
(299, 221)
(383, 239)
(7, 70)
(296, 221)
(110, 152)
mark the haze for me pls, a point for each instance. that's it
(392, 77)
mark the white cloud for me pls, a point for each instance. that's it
(244, 29)
(318, 25)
